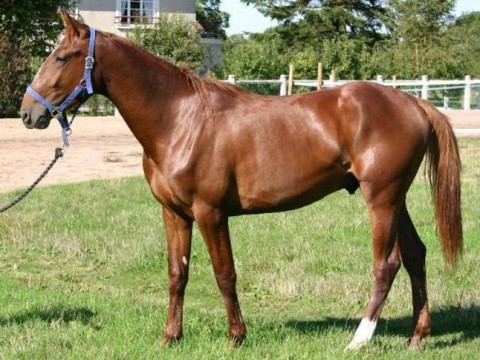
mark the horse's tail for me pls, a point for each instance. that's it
(444, 166)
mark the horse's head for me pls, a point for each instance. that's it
(60, 83)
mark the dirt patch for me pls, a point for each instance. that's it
(464, 119)
(101, 148)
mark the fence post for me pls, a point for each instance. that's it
(332, 76)
(379, 79)
(319, 76)
(478, 97)
(283, 85)
(425, 87)
(467, 97)
(446, 102)
(290, 79)
(231, 79)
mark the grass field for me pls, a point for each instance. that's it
(83, 276)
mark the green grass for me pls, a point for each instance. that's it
(83, 275)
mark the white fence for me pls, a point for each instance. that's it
(419, 87)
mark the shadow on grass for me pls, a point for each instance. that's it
(463, 321)
(55, 314)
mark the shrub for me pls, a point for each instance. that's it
(15, 74)
(174, 38)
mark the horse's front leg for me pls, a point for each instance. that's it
(214, 228)
(179, 235)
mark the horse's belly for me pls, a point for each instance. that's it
(289, 190)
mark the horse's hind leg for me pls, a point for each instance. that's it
(384, 221)
(413, 253)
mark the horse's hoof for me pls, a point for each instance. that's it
(414, 344)
(354, 346)
(237, 341)
(167, 341)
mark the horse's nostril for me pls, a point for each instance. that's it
(25, 117)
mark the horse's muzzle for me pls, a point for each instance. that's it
(41, 123)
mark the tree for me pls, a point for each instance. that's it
(363, 38)
(34, 22)
(350, 58)
(420, 38)
(251, 58)
(248, 58)
(213, 20)
(312, 21)
(174, 38)
(412, 20)
(28, 29)
(14, 75)
(467, 29)
(338, 33)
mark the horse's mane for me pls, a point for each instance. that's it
(202, 83)
(202, 86)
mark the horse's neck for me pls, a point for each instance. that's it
(144, 89)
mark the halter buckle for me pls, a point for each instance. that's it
(89, 61)
(56, 112)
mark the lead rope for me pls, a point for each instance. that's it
(58, 155)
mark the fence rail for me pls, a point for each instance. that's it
(421, 88)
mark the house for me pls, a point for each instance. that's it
(118, 16)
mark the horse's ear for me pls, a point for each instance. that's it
(72, 26)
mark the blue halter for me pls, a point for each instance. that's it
(84, 88)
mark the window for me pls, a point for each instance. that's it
(132, 11)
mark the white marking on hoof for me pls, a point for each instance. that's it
(363, 334)
(184, 260)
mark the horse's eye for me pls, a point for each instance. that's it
(61, 59)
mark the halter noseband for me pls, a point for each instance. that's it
(84, 88)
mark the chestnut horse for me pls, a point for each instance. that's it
(212, 150)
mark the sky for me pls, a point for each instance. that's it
(245, 18)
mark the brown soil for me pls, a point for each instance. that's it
(100, 148)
